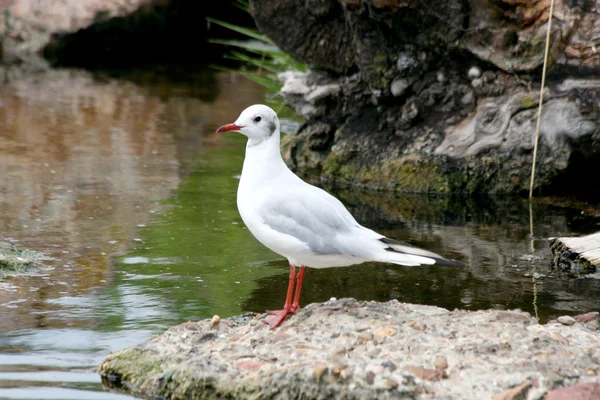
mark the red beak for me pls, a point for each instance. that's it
(229, 128)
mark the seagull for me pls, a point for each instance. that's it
(302, 222)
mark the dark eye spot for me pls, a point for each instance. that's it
(257, 118)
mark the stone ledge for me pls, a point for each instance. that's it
(359, 350)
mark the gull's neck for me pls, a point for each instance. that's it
(263, 158)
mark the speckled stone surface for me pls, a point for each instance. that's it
(346, 349)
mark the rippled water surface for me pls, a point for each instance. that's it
(122, 181)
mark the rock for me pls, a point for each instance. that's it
(576, 256)
(319, 371)
(406, 62)
(364, 337)
(214, 322)
(310, 32)
(502, 355)
(474, 72)
(566, 320)
(107, 32)
(399, 87)
(440, 77)
(15, 261)
(477, 83)
(467, 98)
(382, 334)
(26, 26)
(415, 325)
(518, 392)
(583, 391)
(427, 374)
(466, 133)
(309, 97)
(587, 317)
(441, 363)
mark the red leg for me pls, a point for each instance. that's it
(280, 315)
(300, 279)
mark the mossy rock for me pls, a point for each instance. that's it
(14, 261)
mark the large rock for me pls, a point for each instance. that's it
(97, 33)
(402, 101)
(26, 26)
(344, 349)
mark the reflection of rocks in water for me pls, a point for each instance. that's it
(491, 236)
(82, 162)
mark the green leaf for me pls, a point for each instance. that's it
(254, 34)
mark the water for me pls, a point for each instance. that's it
(122, 180)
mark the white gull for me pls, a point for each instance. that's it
(301, 222)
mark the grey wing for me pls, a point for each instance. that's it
(312, 216)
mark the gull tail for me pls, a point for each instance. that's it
(405, 254)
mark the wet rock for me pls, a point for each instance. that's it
(576, 256)
(502, 356)
(15, 261)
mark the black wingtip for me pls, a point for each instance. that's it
(444, 262)
(439, 260)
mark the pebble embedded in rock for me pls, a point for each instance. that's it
(467, 98)
(370, 377)
(214, 322)
(514, 393)
(387, 331)
(566, 320)
(336, 370)
(364, 337)
(319, 371)
(398, 87)
(474, 72)
(405, 62)
(440, 77)
(415, 325)
(477, 82)
(440, 363)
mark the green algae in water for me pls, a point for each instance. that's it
(196, 258)
(14, 261)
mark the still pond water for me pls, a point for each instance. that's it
(122, 180)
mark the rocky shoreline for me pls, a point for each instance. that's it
(348, 349)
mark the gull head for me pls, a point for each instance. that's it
(257, 122)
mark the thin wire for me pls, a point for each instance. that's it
(539, 117)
